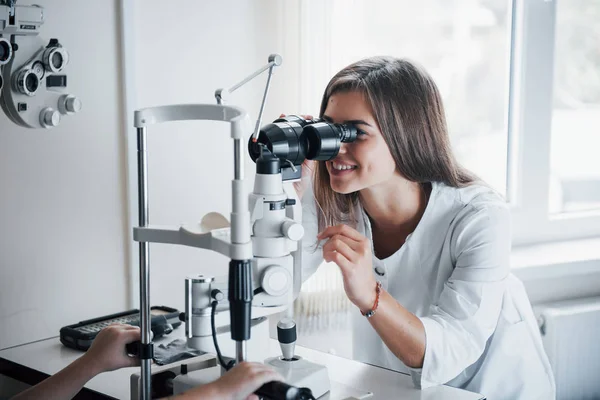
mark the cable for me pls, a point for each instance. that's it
(229, 365)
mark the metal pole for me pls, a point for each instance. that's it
(238, 161)
(262, 105)
(512, 100)
(240, 351)
(249, 78)
(145, 387)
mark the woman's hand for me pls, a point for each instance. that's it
(308, 167)
(239, 383)
(108, 353)
(351, 251)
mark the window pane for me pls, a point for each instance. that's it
(575, 160)
(464, 44)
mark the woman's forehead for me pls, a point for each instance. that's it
(346, 106)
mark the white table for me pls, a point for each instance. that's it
(46, 357)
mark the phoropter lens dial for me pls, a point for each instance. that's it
(28, 82)
(55, 59)
(6, 51)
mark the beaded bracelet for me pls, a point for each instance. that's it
(371, 312)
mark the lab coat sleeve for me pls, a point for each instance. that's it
(312, 252)
(465, 316)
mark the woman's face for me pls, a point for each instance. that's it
(366, 162)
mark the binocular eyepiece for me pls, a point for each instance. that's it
(294, 139)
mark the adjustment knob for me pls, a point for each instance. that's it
(69, 104)
(286, 335)
(292, 230)
(276, 280)
(49, 117)
(217, 295)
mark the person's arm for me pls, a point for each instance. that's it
(401, 331)
(63, 385)
(237, 384)
(453, 336)
(107, 353)
(465, 316)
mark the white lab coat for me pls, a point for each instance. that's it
(453, 273)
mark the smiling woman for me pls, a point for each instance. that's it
(371, 95)
(422, 246)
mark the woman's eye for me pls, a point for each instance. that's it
(360, 133)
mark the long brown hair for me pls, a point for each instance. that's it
(408, 109)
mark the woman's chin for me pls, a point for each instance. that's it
(343, 188)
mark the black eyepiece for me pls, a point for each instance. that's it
(323, 139)
(294, 139)
(283, 138)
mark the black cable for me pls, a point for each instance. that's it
(229, 365)
(258, 290)
(271, 390)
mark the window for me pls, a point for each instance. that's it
(520, 81)
(575, 162)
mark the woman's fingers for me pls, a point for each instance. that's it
(348, 247)
(339, 259)
(343, 230)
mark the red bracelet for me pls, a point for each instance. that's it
(371, 312)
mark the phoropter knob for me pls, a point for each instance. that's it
(49, 118)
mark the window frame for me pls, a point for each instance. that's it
(530, 130)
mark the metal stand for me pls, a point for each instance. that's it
(144, 262)
(240, 246)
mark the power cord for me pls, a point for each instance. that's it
(230, 364)
(273, 390)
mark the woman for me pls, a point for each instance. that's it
(422, 245)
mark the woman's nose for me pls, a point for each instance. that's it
(343, 148)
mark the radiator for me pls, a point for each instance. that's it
(571, 336)
(322, 304)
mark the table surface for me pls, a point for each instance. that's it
(50, 356)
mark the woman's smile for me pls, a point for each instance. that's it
(340, 168)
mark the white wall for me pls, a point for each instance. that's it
(62, 204)
(64, 249)
(182, 55)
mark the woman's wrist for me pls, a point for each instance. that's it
(369, 300)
